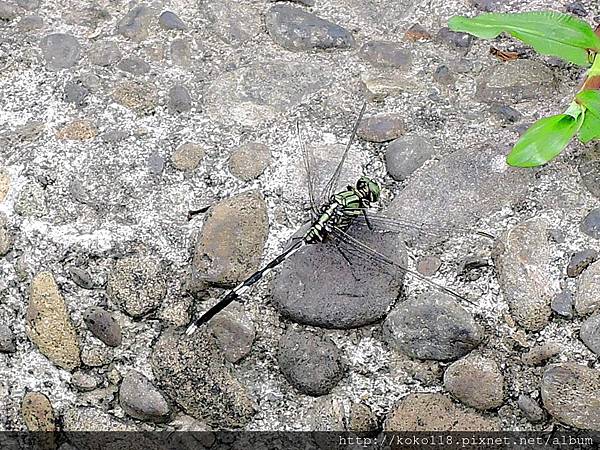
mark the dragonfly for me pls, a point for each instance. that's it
(337, 212)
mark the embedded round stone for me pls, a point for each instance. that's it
(103, 325)
(381, 128)
(590, 333)
(311, 364)
(332, 287)
(140, 399)
(171, 21)
(406, 154)
(60, 51)
(249, 161)
(386, 54)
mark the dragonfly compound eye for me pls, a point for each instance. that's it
(368, 188)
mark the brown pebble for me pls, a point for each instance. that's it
(540, 354)
(79, 130)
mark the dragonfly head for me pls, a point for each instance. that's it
(368, 189)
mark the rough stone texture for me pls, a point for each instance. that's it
(230, 245)
(6, 239)
(4, 184)
(171, 21)
(381, 128)
(311, 364)
(31, 201)
(79, 130)
(250, 160)
(234, 332)
(81, 277)
(406, 154)
(530, 409)
(139, 97)
(571, 394)
(461, 188)
(590, 333)
(453, 39)
(362, 420)
(179, 99)
(187, 156)
(580, 261)
(84, 382)
(140, 399)
(386, 54)
(235, 23)
(586, 297)
(318, 287)
(48, 323)
(104, 54)
(37, 412)
(298, 30)
(523, 253)
(134, 25)
(190, 370)
(475, 381)
(435, 412)
(416, 32)
(137, 284)
(60, 51)
(432, 326)
(428, 265)
(515, 81)
(590, 224)
(562, 304)
(8, 12)
(7, 339)
(134, 65)
(540, 354)
(103, 325)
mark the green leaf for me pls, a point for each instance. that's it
(590, 128)
(548, 32)
(544, 140)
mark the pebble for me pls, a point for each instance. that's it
(234, 332)
(523, 253)
(432, 326)
(230, 245)
(318, 287)
(539, 354)
(48, 323)
(590, 333)
(234, 22)
(589, 170)
(134, 25)
(103, 325)
(4, 184)
(454, 39)
(249, 160)
(475, 381)
(78, 130)
(580, 261)
(7, 339)
(168, 20)
(429, 265)
(37, 412)
(435, 412)
(29, 5)
(310, 363)
(562, 304)
(31, 23)
(298, 30)
(81, 277)
(530, 408)
(75, 92)
(31, 201)
(571, 394)
(7, 11)
(192, 372)
(114, 136)
(362, 420)
(140, 399)
(104, 53)
(505, 113)
(137, 284)
(84, 382)
(515, 81)
(60, 51)
(91, 15)
(416, 32)
(188, 156)
(577, 8)
(134, 65)
(590, 224)
(140, 97)
(381, 128)
(6, 238)
(325, 415)
(156, 163)
(443, 75)
(406, 154)
(97, 355)
(586, 297)
(386, 54)
(179, 99)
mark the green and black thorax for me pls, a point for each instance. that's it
(343, 208)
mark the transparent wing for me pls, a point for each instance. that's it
(332, 183)
(308, 159)
(413, 228)
(368, 252)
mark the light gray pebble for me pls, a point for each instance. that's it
(156, 163)
(179, 99)
(75, 92)
(6, 239)
(104, 53)
(103, 325)
(386, 54)
(234, 332)
(530, 408)
(29, 5)
(114, 136)
(443, 75)
(31, 23)
(7, 11)
(312, 364)
(31, 201)
(81, 277)
(7, 339)
(428, 265)
(249, 160)
(134, 65)
(590, 333)
(134, 25)
(140, 399)
(84, 382)
(406, 154)
(170, 21)
(60, 50)
(586, 296)
(590, 224)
